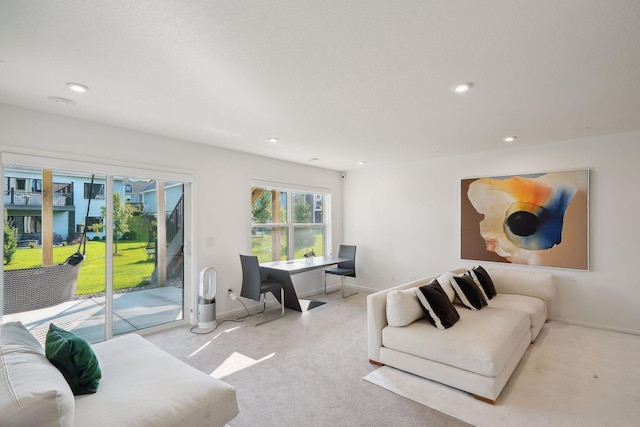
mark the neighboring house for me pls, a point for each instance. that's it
(133, 193)
(23, 202)
(173, 195)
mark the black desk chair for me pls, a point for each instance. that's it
(254, 283)
(347, 268)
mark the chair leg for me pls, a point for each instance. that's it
(264, 305)
(343, 294)
(282, 301)
(325, 286)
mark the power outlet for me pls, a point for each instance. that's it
(232, 295)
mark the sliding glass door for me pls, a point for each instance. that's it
(129, 230)
(156, 208)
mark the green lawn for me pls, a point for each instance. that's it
(131, 266)
(261, 247)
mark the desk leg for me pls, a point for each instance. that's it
(290, 296)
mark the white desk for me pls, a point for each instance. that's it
(281, 271)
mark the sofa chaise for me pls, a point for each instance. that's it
(480, 351)
(141, 385)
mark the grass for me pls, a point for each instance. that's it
(131, 266)
(261, 247)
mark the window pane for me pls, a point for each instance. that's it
(148, 271)
(308, 238)
(97, 193)
(269, 243)
(82, 312)
(268, 206)
(308, 208)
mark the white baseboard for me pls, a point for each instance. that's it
(596, 326)
(273, 303)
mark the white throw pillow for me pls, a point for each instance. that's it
(32, 390)
(445, 282)
(403, 307)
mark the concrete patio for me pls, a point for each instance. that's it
(85, 317)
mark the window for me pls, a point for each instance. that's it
(92, 221)
(98, 191)
(278, 214)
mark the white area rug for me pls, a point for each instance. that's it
(571, 376)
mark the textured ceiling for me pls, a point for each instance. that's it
(338, 80)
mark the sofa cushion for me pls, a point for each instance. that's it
(32, 390)
(535, 284)
(73, 356)
(403, 307)
(436, 305)
(481, 276)
(534, 307)
(481, 341)
(144, 385)
(468, 291)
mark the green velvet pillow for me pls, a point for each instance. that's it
(74, 357)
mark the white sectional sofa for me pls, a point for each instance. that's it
(141, 385)
(480, 351)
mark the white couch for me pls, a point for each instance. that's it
(141, 385)
(477, 354)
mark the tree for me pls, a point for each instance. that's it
(121, 214)
(301, 210)
(10, 240)
(261, 210)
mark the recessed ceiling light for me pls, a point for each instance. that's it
(273, 140)
(58, 100)
(462, 87)
(77, 87)
(509, 138)
(361, 162)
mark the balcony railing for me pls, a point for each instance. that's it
(24, 198)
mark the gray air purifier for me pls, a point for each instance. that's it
(207, 300)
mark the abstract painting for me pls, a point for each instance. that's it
(535, 219)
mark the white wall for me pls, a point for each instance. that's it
(406, 223)
(222, 180)
(405, 220)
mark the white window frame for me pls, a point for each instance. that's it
(289, 189)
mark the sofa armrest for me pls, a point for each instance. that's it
(377, 316)
(539, 285)
(376, 321)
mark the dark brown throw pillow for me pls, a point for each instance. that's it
(485, 281)
(436, 305)
(468, 291)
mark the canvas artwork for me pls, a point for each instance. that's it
(534, 219)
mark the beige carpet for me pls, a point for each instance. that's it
(302, 370)
(571, 376)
